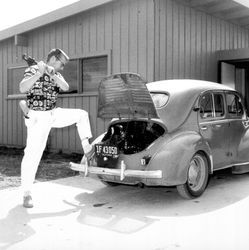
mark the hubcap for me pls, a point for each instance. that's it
(196, 173)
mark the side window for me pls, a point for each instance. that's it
(71, 75)
(85, 74)
(234, 105)
(218, 105)
(206, 106)
(94, 69)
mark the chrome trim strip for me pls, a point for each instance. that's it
(221, 121)
(238, 164)
(241, 164)
(214, 122)
(233, 165)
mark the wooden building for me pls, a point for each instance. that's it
(159, 39)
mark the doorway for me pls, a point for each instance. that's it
(233, 70)
(235, 74)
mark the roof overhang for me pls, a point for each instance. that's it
(234, 11)
(234, 54)
(237, 57)
(230, 10)
(64, 12)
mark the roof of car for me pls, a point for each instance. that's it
(182, 97)
(182, 85)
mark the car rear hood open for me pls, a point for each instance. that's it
(125, 95)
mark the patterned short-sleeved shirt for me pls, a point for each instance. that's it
(43, 94)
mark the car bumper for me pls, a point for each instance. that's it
(122, 172)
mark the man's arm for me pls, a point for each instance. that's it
(61, 82)
(29, 81)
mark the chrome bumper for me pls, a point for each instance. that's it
(122, 172)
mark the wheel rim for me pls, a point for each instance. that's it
(196, 173)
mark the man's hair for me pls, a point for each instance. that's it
(57, 53)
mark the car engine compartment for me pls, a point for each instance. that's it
(132, 136)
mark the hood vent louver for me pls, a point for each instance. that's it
(125, 95)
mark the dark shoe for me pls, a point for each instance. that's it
(27, 201)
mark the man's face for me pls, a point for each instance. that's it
(57, 62)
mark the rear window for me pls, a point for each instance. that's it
(212, 106)
(234, 105)
(218, 105)
(206, 106)
(159, 99)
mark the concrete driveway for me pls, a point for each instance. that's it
(81, 213)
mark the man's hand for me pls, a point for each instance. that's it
(41, 67)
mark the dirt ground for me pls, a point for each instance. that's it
(52, 166)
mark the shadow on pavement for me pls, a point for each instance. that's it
(16, 226)
(127, 209)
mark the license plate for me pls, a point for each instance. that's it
(106, 150)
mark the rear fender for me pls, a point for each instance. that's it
(175, 155)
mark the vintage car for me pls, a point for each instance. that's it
(168, 133)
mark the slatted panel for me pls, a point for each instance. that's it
(142, 38)
(9, 106)
(124, 95)
(186, 39)
(1, 95)
(4, 94)
(133, 44)
(182, 41)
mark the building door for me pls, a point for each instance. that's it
(234, 69)
(235, 74)
(228, 76)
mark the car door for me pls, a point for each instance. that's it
(238, 129)
(214, 126)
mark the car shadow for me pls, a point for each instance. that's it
(127, 209)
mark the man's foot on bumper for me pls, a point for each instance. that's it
(27, 201)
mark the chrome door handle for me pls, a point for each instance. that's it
(217, 125)
(204, 128)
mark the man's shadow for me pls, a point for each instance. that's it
(16, 226)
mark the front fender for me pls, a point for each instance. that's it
(175, 154)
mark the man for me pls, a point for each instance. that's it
(42, 83)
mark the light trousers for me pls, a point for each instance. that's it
(38, 126)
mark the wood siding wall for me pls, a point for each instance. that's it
(159, 39)
(186, 41)
(124, 28)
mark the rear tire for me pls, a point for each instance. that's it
(197, 178)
